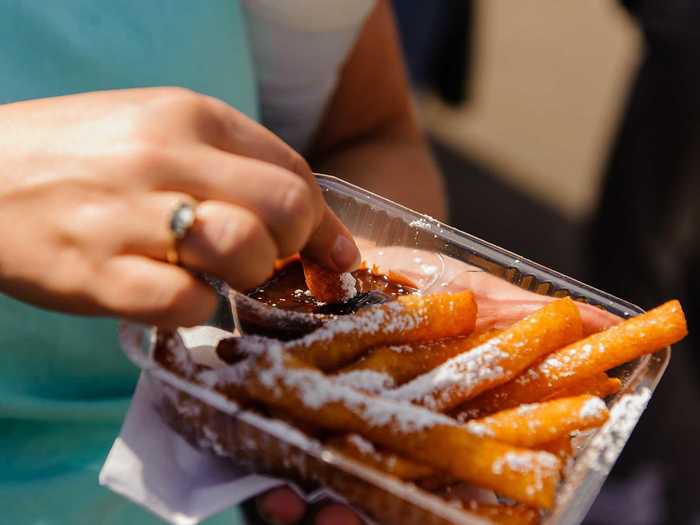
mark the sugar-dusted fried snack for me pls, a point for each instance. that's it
(280, 380)
(538, 423)
(229, 350)
(170, 352)
(358, 448)
(643, 334)
(599, 385)
(401, 363)
(326, 285)
(497, 360)
(303, 426)
(560, 447)
(409, 319)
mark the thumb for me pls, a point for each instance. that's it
(331, 244)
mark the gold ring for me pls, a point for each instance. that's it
(181, 220)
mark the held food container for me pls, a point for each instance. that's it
(266, 445)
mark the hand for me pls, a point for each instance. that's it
(281, 506)
(88, 183)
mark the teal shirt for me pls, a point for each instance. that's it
(64, 383)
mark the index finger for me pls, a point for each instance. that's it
(331, 243)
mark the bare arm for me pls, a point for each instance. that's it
(369, 135)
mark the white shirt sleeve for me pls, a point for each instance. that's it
(298, 48)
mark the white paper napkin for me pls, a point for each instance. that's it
(153, 466)
(156, 468)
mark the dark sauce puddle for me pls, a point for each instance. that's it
(287, 290)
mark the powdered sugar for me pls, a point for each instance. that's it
(561, 364)
(366, 380)
(210, 439)
(463, 372)
(233, 375)
(479, 429)
(529, 375)
(361, 444)
(552, 362)
(527, 408)
(402, 349)
(349, 286)
(389, 319)
(514, 461)
(592, 408)
(316, 390)
(611, 438)
(541, 464)
(291, 433)
(181, 356)
(524, 462)
(367, 449)
(369, 320)
(585, 351)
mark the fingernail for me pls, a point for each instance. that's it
(345, 254)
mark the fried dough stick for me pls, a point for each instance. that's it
(497, 360)
(328, 286)
(560, 447)
(536, 424)
(358, 448)
(599, 385)
(435, 440)
(405, 362)
(640, 335)
(409, 319)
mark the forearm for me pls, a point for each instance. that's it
(396, 166)
(369, 135)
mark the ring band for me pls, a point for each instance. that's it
(181, 220)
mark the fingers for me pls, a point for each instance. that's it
(289, 205)
(231, 243)
(231, 131)
(336, 514)
(281, 506)
(332, 245)
(227, 241)
(282, 200)
(148, 291)
(237, 161)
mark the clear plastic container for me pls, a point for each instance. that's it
(268, 446)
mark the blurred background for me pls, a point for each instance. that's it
(569, 133)
(529, 99)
